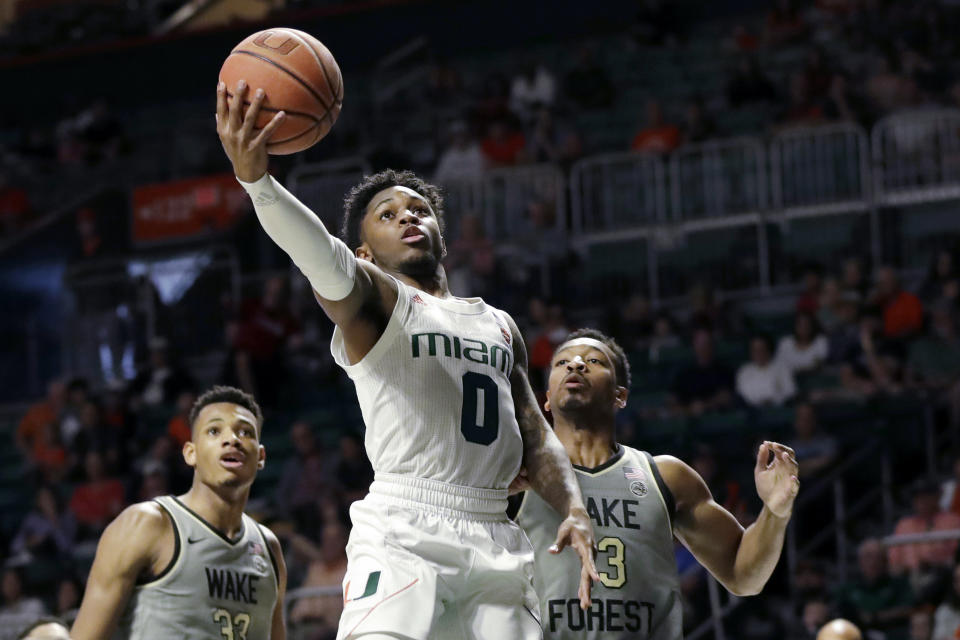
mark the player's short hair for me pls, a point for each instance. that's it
(355, 204)
(621, 365)
(223, 393)
(39, 622)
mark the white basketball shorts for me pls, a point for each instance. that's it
(432, 561)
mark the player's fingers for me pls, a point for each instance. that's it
(762, 457)
(221, 104)
(563, 539)
(236, 105)
(583, 592)
(252, 114)
(268, 130)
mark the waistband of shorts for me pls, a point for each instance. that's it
(457, 500)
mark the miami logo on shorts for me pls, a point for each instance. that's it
(373, 581)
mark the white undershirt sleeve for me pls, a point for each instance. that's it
(325, 260)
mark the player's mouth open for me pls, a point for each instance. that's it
(574, 382)
(412, 235)
(233, 460)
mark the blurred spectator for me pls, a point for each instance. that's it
(97, 500)
(163, 452)
(99, 133)
(162, 380)
(17, 610)
(471, 261)
(851, 277)
(934, 358)
(811, 290)
(15, 206)
(179, 426)
(806, 348)
(749, 84)
(305, 476)
(463, 160)
(70, 418)
(743, 40)
(153, 482)
(872, 364)
(784, 24)
(815, 451)
(551, 142)
(802, 109)
(886, 88)
(941, 281)
(844, 338)
(69, 592)
(631, 323)
(530, 90)
(657, 136)
(828, 307)
(48, 457)
(352, 469)
(946, 619)
(706, 385)
(926, 516)
(921, 625)
(664, 336)
(491, 103)
(657, 23)
(546, 339)
(321, 614)
(502, 146)
(47, 530)
(94, 435)
(587, 85)
(876, 600)
(725, 489)
(810, 579)
(763, 381)
(266, 329)
(902, 311)
(40, 416)
(697, 126)
(444, 86)
(843, 102)
(814, 613)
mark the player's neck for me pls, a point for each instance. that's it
(588, 439)
(221, 507)
(434, 284)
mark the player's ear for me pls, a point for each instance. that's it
(546, 403)
(363, 252)
(261, 457)
(443, 247)
(189, 452)
(620, 397)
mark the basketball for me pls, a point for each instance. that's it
(299, 76)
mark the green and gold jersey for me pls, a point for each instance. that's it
(638, 596)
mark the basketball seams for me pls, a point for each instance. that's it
(309, 116)
(301, 81)
(334, 93)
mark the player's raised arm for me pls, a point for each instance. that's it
(742, 560)
(344, 288)
(548, 470)
(127, 548)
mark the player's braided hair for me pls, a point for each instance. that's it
(355, 204)
(222, 393)
(621, 364)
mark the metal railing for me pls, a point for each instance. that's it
(917, 157)
(614, 192)
(719, 178)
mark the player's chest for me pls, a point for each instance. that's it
(478, 342)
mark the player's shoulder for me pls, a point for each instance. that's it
(142, 519)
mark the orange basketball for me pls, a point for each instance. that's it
(299, 77)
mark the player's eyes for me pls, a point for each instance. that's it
(560, 362)
(420, 211)
(594, 361)
(213, 431)
(386, 215)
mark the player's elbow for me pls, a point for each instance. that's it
(744, 590)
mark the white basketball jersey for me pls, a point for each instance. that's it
(435, 392)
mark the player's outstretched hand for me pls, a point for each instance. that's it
(245, 146)
(577, 532)
(777, 477)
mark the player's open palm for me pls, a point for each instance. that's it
(245, 146)
(777, 477)
(577, 532)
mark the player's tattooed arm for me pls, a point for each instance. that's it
(278, 629)
(548, 470)
(742, 560)
(139, 540)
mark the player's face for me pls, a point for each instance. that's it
(582, 375)
(400, 232)
(225, 450)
